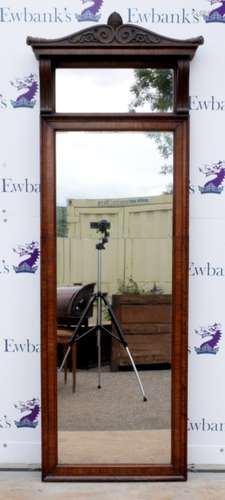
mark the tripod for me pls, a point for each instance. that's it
(101, 299)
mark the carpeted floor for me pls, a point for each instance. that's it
(118, 405)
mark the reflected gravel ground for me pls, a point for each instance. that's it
(118, 405)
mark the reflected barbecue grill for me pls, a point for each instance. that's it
(71, 301)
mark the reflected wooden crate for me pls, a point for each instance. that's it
(146, 323)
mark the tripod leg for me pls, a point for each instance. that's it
(124, 343)
(80, 322)
(136, 373)
(115, 321)
(99, 313)
(99, 358)
(65, 358)
(99, 334)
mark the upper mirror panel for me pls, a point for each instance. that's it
(105, 90)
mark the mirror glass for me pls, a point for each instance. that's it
(114, 90)
(116, 186)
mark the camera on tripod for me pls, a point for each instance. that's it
(102, 227)
(101, 300)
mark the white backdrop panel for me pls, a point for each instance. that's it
(19, 217)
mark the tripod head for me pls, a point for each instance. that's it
(102, 227)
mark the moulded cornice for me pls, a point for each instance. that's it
(114, 34)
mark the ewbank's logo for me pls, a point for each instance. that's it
(209, 346)
(91, 13)
(208, 270)
(11, 345)
(30, 420)
(4, 267)
(5, 422)
(29, 86)
(217, 14)
(11, 185)
(217, 172)
(209, 103)
(3, 102)
(155, 15)
(28, 265)
(32, 408)
(203, 425)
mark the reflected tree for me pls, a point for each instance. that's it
(62, 225)
(155, 87)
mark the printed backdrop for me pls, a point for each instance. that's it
(20, 437)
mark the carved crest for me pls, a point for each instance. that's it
(116, 34)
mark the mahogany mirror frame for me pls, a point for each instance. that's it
(114, 45)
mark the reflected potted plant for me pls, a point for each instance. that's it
(145, 318)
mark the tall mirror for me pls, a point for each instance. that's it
(124, 180)
(114, 290)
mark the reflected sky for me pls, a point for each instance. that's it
(94, 90)
(108, 165)
(100, 90)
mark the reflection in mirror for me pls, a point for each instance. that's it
(114, 90)
(125, 178)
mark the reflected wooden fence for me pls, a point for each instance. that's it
(140, 243)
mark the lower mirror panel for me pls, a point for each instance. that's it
(113, 425)
(128, 194)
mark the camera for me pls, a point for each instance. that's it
(101, 226)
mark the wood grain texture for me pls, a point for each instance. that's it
(51, 469)
(48, 299)
(54, 54)
(181, 95)
(115, 36)
(47, 86)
